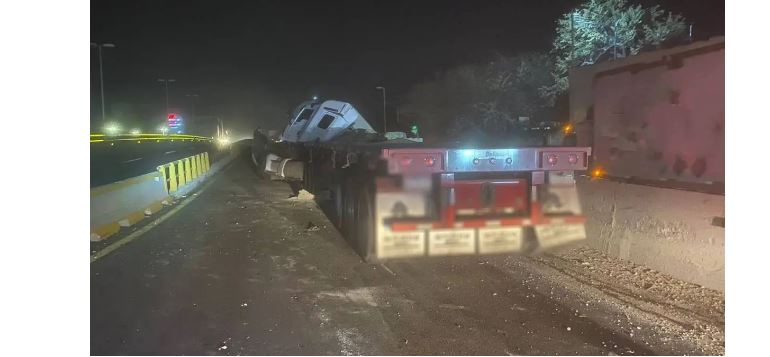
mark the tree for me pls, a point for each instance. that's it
(607, 29)
(483, 98)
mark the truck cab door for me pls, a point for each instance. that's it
(297, 124)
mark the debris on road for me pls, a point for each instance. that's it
(302, 196)
(223, 345)
(312, 227)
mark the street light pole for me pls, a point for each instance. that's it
(101, 73)
(166, 82)
(384, 117)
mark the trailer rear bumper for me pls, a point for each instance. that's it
(401, 232)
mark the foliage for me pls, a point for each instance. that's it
(486, 98)
(605, 29)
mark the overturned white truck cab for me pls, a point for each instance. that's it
(396, 198)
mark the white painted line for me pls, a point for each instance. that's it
(169, 152)
(132, 160)
(388, 269)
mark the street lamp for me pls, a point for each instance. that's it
(112, 129)
(101, 72)
(165, 83)
(384, 117)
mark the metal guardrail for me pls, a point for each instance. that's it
(138, 138)
(178, 173)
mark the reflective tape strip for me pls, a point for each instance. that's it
(172, 181)
(181, 173)
(187, 170)
(206, 163)
(193, 172)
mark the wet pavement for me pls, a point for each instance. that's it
(237, 272)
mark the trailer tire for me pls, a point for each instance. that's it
(338, 194)
(364, 223)
(349, 201)
(309, 177)
(529, 244)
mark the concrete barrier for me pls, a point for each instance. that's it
(123, 203)
(677, 232)
(184, 176)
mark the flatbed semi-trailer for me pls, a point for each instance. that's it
(400, 198)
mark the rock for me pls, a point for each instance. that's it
(312, 227)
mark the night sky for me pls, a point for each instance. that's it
(252, 61)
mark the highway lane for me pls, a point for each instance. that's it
(238, 272)
(115, 161)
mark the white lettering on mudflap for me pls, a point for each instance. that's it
(451, 242)
(499, 240)
(397, 245)
(552, 235)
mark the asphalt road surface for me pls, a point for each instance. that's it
(242, 269)
(126, 159)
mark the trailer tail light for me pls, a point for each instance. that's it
(563, 160)
(415, 163)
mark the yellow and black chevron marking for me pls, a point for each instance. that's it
(179, 173)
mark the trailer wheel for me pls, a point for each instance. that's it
(338, 195)
(529, 244)
(364, 224)
(349, 201)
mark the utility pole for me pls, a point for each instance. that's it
(384, 117)
(165, 83)
(101, 72)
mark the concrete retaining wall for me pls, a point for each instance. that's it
(672, 231)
